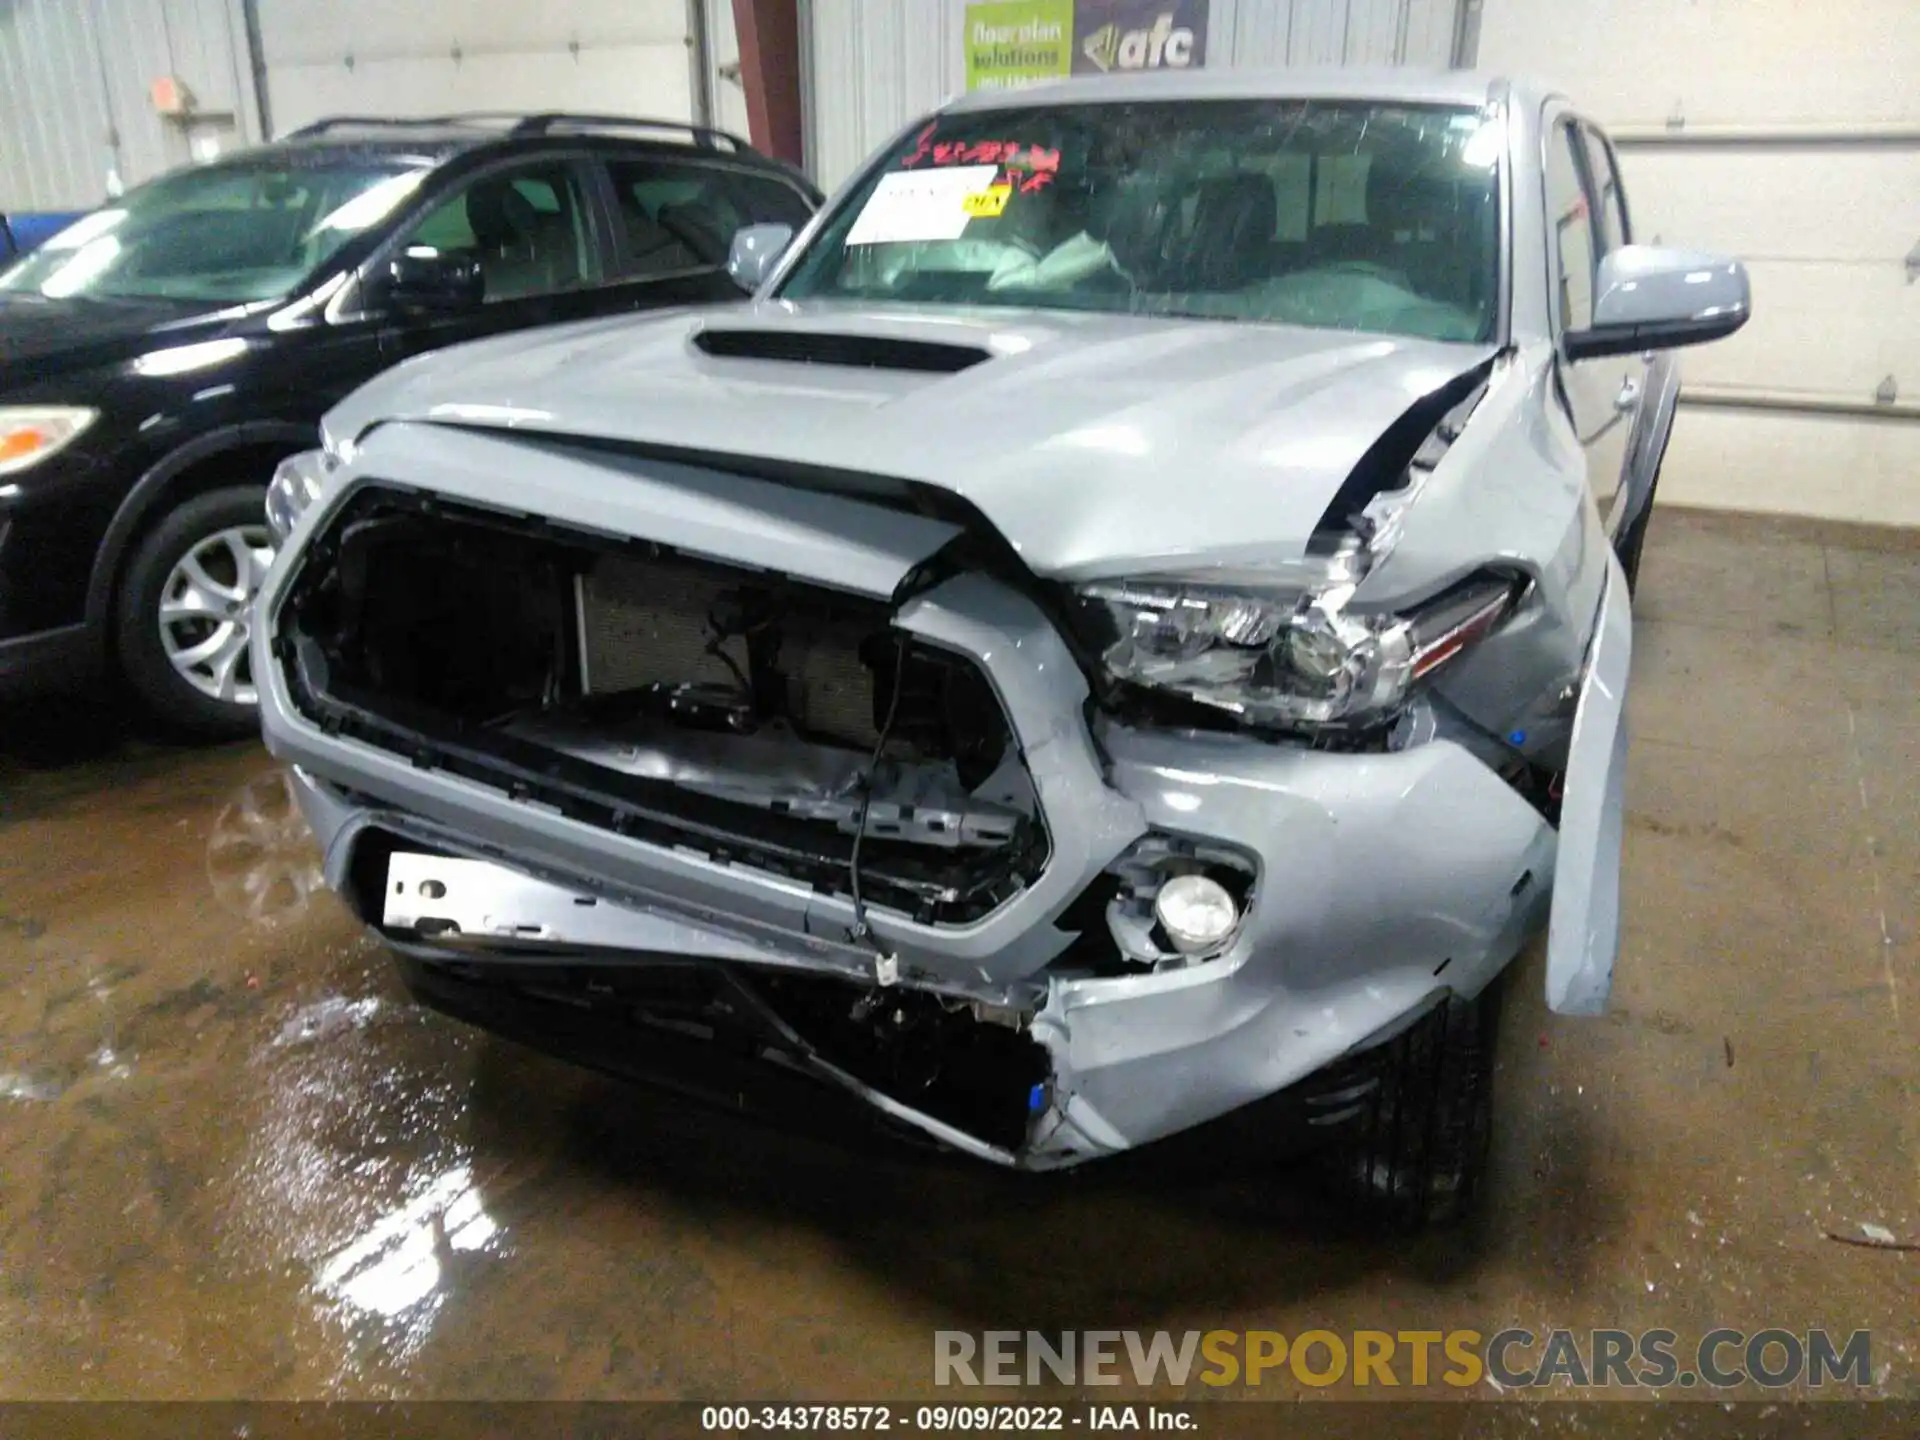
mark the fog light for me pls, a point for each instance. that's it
(1197, 913)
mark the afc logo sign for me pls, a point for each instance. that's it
(1143, 37)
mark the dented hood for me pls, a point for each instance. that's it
(1096, 444)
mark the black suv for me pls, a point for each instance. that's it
(162, 354)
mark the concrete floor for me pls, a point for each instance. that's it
(236, 1163)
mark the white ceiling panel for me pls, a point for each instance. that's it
(649, 80)
(301, 32)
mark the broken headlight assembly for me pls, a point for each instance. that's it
(1285, 660)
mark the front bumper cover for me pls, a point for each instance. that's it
(1385, 881)
(1388, 883)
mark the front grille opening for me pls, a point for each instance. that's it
(684, 703)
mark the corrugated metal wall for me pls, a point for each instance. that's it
(874, 66)
(422, 57)
(1336, 32)
(74, 107)
(74, 73)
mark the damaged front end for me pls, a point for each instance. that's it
(833, 835)
(766, 725)
(839, 752)
(738, 714)
(820, 776)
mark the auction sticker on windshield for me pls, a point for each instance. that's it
(987, 203)
(922, 205)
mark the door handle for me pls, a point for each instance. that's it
(1629, 395)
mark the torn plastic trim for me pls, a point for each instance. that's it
(772, 1040)
(1432, 717)
(1088, 821)
(1061, 1125)
(976, 1067)
(483, 904)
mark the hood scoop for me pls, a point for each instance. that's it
(814, 347)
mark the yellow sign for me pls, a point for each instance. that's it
(987, 203)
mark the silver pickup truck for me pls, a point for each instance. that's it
(1127, 632)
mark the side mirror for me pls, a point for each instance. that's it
(1651, 298)
(424, 281)
(756, 250)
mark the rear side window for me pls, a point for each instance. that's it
(679, 215)
(1570, 226)
(448, 228)
(525, 227)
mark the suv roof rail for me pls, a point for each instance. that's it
(520, 124)
(400, 122)
(560, 120)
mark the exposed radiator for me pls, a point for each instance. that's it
(651, 622)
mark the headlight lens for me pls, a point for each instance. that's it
(32, 433)
(297, 483)
(1287, 660)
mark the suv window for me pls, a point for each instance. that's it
(527, 228)
(246, 230)
(1572, 230)
(1606, 187)
(680, 216)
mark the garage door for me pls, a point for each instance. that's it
(1798, 148)
(408, 57)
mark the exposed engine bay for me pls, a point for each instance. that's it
(761, 720)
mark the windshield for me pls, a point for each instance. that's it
(227, 233)
(1337, 214)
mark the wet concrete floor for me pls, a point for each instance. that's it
(235, 1162)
